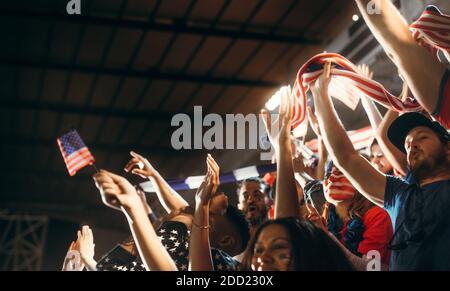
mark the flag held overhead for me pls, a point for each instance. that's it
(75, 153)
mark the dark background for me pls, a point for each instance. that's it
(119, 72)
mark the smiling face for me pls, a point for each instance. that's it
(253, 202)
(425, 152)
(378, 160)
(272, 250)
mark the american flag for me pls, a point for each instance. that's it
(360, 138)
(431, 30)
(344, 71)
(75, 153)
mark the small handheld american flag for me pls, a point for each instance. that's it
(75, 153)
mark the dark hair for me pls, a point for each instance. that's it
(358, 207)
(258, 180)
(312, 248)
(374, 142)
(237, 218)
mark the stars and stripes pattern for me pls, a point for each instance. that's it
(175, 237)
(360, 138)
(299, 103)
(432, 30)
(348, 84)
(118, 259)
(193, 182)
(75, 153)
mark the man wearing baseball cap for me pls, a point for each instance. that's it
(420, 211)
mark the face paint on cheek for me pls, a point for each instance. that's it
(340, 189)
(339, 194)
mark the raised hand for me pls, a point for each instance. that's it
(314, 216)
(211, 182)
(281, 127)
(139, 165)
(320, 86)
(72, 261)
(365, 71)
(86, 247)
(116, 191)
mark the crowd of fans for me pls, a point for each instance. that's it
(348, 212)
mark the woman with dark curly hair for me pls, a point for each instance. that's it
(291, 244)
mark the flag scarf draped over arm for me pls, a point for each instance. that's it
(360, 138)
(348, 80)
(431, 30)
(75, 153)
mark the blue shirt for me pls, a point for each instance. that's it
(420, 216)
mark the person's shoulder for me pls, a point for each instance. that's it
(375, 214)
(442, 186)
(396, 184)
(440, 183)
(406, 180)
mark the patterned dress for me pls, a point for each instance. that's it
(174, 236)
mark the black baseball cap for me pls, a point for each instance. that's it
(400, 128)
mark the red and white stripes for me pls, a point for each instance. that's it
(345, 75)
(432, 30)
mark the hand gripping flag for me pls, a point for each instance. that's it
(431, 30)
(346, 75)
(75, 153)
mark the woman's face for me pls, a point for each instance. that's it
(378, 160)
(273, 250)
(337, 188)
